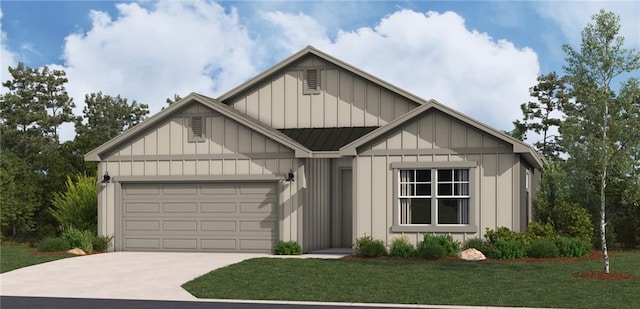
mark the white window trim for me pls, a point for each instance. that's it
(434, 227)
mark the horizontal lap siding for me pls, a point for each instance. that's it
(344, 100)
(435, 137)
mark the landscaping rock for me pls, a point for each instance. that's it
(472, 254)
(77, 251)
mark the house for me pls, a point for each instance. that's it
(312, 150)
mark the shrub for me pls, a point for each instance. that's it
(51, 244)
(402, 248)
(431, 249)
(101, 243)
(539, 230)
(543, 248)
(366, 246)
(287, 248)
(78, 205)
(502, 233)
(446, 246)
(572, 247)
(509, 249)
(478, 244)
(573, 221)
(79, 239)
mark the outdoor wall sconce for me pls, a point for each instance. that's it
(290, 177)
(106, 178)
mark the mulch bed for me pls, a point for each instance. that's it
(601, 275)
(595, 255)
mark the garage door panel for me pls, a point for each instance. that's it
(184, 226)
(180, 207)
(219, 207)
(255, 244)
(178, 189)
(219, 189)
(257, 207)
(200, 217)
(142, 189)
(142, 225)
(220, 226)
(142, 243)
(133, 207)
(185, 243)
(219, 244)
(252, 226)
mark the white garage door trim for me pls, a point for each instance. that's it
(247, 222)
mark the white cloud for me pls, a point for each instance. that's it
(148, 54)
(573, 16)
(432, 55)
(7, 57)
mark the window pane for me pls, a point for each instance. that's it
(423, 189)
(407, 175)
(453, 211)
(461, 189)
(445, 175)
(445, 189)
(420, 211)
(423, 176)
(462, 175)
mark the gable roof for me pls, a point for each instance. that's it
(518, 146)
(300, 150)
(310, 50)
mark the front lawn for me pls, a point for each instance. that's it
(14, 256)
(541, 284)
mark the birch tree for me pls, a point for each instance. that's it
(601, 128)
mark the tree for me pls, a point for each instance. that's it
(171, 101)
(542, 114)
(37, 100)
(18, 196)
(105, 117)
(32, 110)
(601, 126)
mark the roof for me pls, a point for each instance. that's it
(326, 139)
(518, 146)
(310, 50)
(300, 150)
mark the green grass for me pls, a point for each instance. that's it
(543, 284)
(14, 256)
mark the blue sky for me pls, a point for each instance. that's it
(479, 57)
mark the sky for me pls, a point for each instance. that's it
(478, 57)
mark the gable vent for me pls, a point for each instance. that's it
(312, 79)
(196, 126)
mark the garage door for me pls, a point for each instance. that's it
(215, 217)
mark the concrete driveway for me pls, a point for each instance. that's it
(121, 275)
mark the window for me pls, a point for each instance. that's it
(197, 129)
(312, 81)
(434, 196)
(415, 196)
